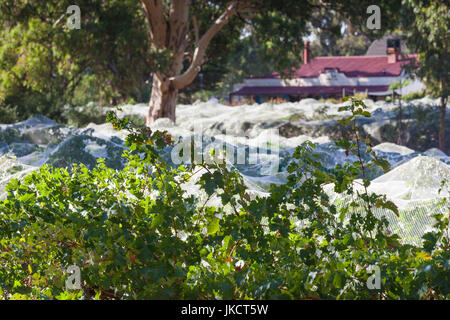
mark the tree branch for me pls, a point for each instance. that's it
(155, 15)
(189, 75)
(177, 31)
(196, 29)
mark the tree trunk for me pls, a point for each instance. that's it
(169, 30)
(400, 125)
(162, 101)
(442, 126)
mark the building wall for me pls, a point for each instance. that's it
(324, 79)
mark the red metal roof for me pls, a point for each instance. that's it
(351, 66)
(245, 91)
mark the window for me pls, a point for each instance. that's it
(331, 73)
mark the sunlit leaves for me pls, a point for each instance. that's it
(138, 234)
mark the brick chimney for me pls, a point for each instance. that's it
(306, 53)
(392, 55)
(393, 50)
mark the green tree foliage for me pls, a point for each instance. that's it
(43, 62)
(428, 25)
(345, 45)
(137, 233)
(247, 58)
(335, 36)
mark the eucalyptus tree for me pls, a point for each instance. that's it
(184, 29)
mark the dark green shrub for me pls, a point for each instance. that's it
(82, 116)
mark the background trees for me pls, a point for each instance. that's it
(336, 36)
(42, 62)
(428, 25)
(44, 65)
